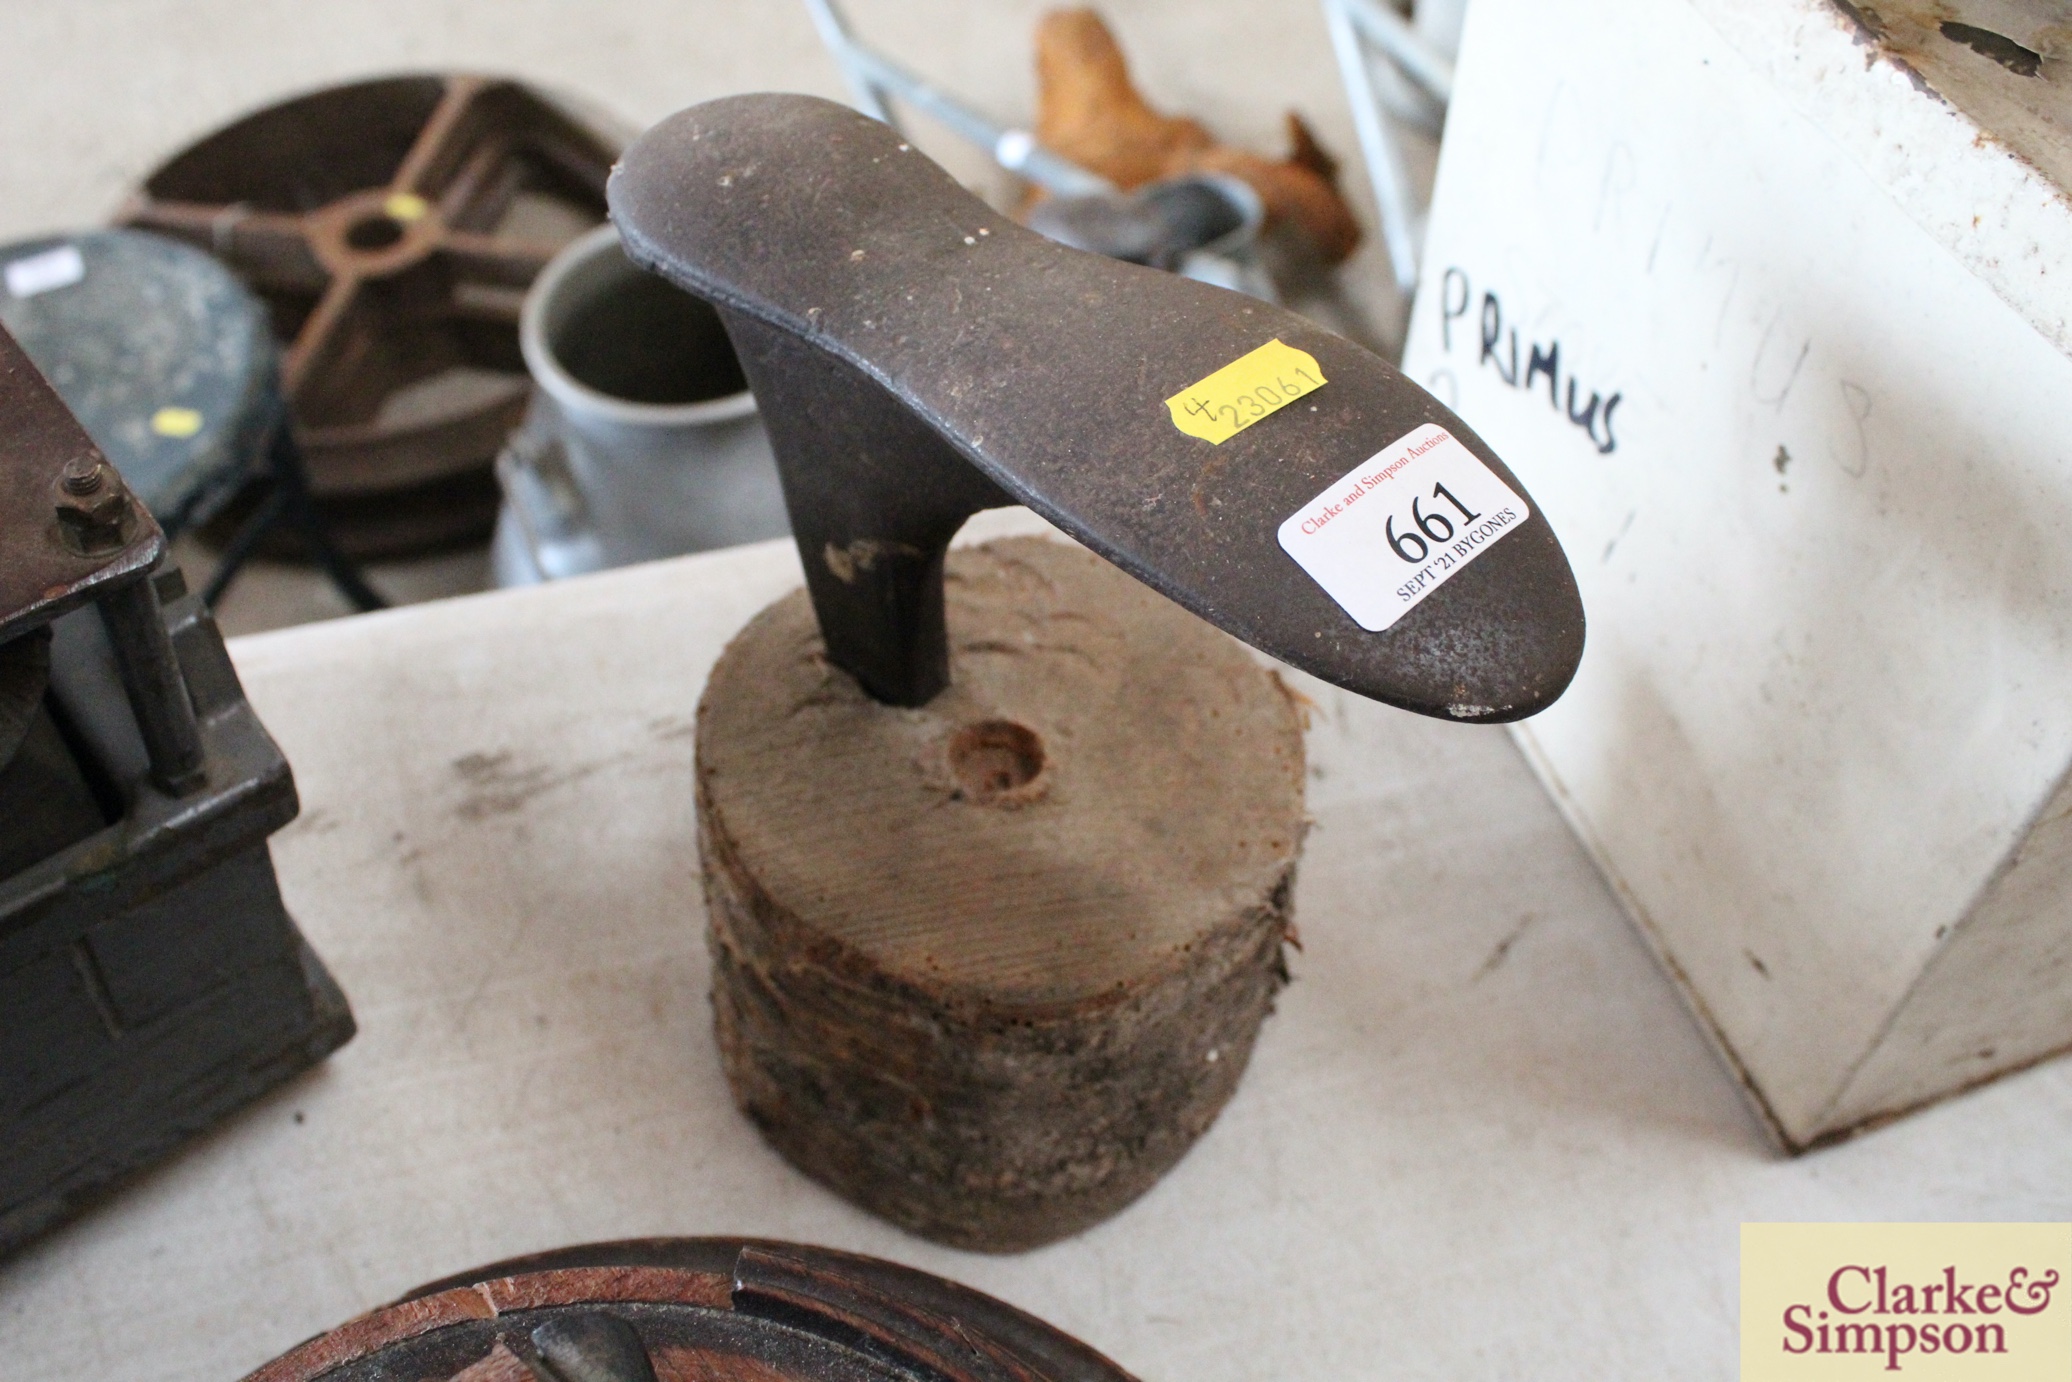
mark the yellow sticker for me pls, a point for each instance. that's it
(1245, 390)
(1935, 1302)
(176, 422)
(406, 207)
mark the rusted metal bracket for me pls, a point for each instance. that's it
(920, 357)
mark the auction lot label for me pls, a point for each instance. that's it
(1400, 524)
(1931, 1301)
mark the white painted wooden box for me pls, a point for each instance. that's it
(1769, 303)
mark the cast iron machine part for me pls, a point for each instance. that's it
(150, 979)
(392, 226)
(722, 1309)
(920, 357)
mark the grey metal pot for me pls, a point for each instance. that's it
(642, 440)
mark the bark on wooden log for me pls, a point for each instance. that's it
(989, 967)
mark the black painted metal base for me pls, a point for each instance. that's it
(151, 981)
(164, 1087)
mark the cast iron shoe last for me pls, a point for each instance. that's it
(920, 357)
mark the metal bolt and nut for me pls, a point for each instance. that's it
(83, 475)
(93, 505)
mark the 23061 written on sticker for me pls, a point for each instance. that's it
(1253, 386)
(1401, 524)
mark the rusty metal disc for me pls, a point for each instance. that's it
(392, 227)
(709, 1309)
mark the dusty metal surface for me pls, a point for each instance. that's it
(392, 227)
(2007, 64)
(920, 357)
(713, 1309)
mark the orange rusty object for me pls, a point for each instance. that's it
(1090, 112)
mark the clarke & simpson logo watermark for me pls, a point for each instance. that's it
(1931, 1301)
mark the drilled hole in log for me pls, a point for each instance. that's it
(994, 758)
(991, 1025)
(374, 233)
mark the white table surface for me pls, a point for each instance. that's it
(1480, 1138)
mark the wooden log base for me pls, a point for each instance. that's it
(990, 966)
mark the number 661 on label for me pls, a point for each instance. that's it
(1401, 524)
